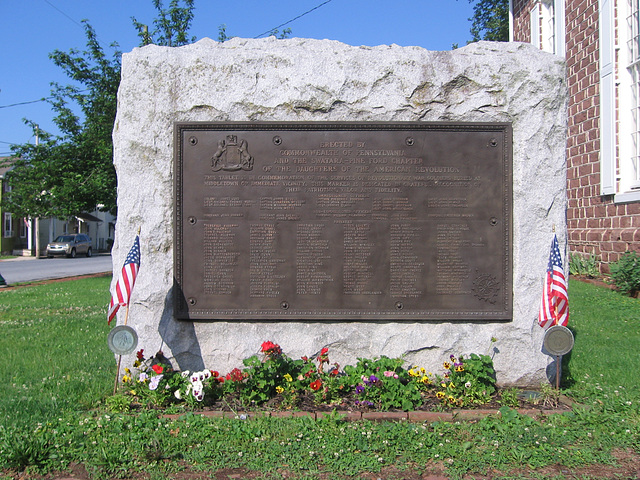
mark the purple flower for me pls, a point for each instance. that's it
(359, 389)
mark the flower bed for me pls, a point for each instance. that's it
(271, 380)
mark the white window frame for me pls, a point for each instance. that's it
(7, 225)
(619, 176)
(547, 26)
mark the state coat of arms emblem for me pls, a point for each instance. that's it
(231, 155)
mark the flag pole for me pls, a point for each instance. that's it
(115, 386)
(128, 299)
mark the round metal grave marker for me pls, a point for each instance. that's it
(122, 340)
(558, 340)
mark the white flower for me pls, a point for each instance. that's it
(185, 374)
(467, 385)
(177, 394)
(153, 384)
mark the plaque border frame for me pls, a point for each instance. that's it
(180, 303)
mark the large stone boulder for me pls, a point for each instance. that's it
(322, 80)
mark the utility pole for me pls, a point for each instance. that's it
(37, 219)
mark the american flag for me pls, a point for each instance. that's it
(125, 282)
(554, 309)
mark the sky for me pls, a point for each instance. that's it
(32, 29)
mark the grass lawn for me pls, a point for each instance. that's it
(58, 371)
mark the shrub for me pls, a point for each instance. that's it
(583, 265)
(626, 273)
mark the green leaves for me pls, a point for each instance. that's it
(490, 20)
(626, 273)
(73, 172)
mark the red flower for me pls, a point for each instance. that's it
(235, 375)
(324, 351)
(316, 385)
(157, 368)
(214, 374)
(140, 354)
(305, 359)
(270, 348)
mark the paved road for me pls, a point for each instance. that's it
(28, 269)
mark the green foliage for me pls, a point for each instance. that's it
(490, 20)
(467, 381)
(264, 376)
(382, 383)
(171, 26)
(509, 397)
(626, 273)
(584, 265)
(22, 449)
(72, 173)
(118, 403)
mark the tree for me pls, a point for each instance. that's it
(490, 20)
(73, 172)
(171, 27)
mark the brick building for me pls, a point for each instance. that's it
(600, 41)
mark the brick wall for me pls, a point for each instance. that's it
(596, 225)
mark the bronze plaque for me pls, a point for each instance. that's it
(343, 221)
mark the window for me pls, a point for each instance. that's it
(630, 170)
(24, 225)
(7, 226)
(620, 171)
(547, 26)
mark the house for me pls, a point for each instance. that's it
(18, 236)
(8, 222)
(600, 40)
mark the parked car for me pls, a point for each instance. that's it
(70, 245)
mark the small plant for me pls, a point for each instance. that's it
(467, 381)
(382, 383)
(584, 265)
(549, 396)
(626, 274)
(155, 383)
(27, 449)
(509, 397)
(118, 403)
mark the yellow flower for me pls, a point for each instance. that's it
(443, 385)
(422, 371)
(287, 377)
(440, 394)
(413, 373)
(279, 389)
(459, 368)
(451, 399)
(446, 365)
(127, 371)
(452, 386)
(137, 363)
(126, 379)
(425, 380)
